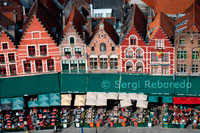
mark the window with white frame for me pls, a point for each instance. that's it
(102, 47)
(72, 40)
(129, 53)
(139, 67)
(4, 45)
(12, 69)
(133, 40)
(154, 69)
(78, 52)
(181, 68)
(195, 68)
(73, 66)
(43, 50)
(165, 57)
(82, 65)
(129, 66)
(67, 52)
(2, 70)
(11, 57)
(27, 66)
(182, 41)
(154, 57)
(50, 64)
(159, 44)
(93, 63)
(65, 66)
(31, 50)
(195, 54)
(103, 63)
(181, 54)
(165, 69)
(114, 63)
(139, 53)
(38, 65)
(36, 35)
(2, 58)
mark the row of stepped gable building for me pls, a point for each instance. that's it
(159, 37)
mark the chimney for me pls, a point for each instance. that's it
(63, 19)
(89, 25)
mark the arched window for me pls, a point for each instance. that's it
(139, 67)
(71, 40)
(182, 41)
(103, 47)
(139, 53)
(133, 40)
(129, 53)
(129, 66)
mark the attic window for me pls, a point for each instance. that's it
(133, 40)
(4, 45)
(36, 35)
(71, 40)
(182, 41)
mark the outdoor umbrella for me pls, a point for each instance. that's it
(125, 103)
(18, 100)
(79, 103)
(55, 96)
(123, 96)
(113, 95)
(102, 95)
(91, 102)
(6, 100)
(32, 104)
(55, 102)
(132, 96)
(17, 106)
(44, 103)
(101, 102)
(43, 97)
(91, 95)
(142, 104)
(6, 106)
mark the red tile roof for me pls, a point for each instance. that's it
(192, 16)
(76, 19)
(164, 22)
(44, 17)
(109, 29)
(169, 6)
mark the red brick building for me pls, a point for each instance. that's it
(73, 47)
(133, 47)
(8, 56)
(160, 47)
(103, 50)
(38, 52)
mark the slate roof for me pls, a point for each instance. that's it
(109, 29)
(116, 5)
(5, 21)
(169, 6)
(45, 17)
(162, 21)
(191, 19)
(137, 19)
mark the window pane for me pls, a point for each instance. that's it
(31, 50)
(72, 40)
(27, 66)
(2, 59)
(50, 64)
(38, 65)
(12, 69)
(11, 57)
(2, 70)
(43, 50)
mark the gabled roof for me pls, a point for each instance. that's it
(169, 6)
(109, 29)
(162, 21)
(44, 17)
(191, 20)
(3, 31)
(77, 20)
(137, 19)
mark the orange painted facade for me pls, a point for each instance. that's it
(8, 56)
(38, 53)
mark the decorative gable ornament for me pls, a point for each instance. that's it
(159, 53)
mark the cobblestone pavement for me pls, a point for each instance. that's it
(129, 129)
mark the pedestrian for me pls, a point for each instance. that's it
(55, 129)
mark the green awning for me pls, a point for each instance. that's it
(44, 103)
(55, 102)
(43, 97)
(18, 100)
(167, 99)
(54, 96)
(17, 106)
(153, 99)
(32, 104)
(6, 100)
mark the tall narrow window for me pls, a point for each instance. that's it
(181, 54)
(92, 49)
(165, 57)
(2, 70)
(78, 52)
(129, 53)
(139, 54)
(38, 65)
(159, 44)
(133, 40)
(165, 69)
(154, 69)
(102, 47)
(195, 68)
(12, 69)
(72, 40)
(113, 63)
(65, 66)
(50, 64)
(195, 55)
(113, 48)
(181, 68)
(93, 63)
(129, 66)
(82, 66)
(139, 67)
(154, 57)
(67, 52)
(5, 45)
(43, 50)
(11, 57)
(31, 50)
(27, 66)
(73, 66)
(103, 63)
(2, 59)
(181, 41)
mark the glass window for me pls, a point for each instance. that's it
(133, 40)
(102, 47)
(181, 68)
(93, 63)
(11, 57)
(5, 45)
(43, 50)
(103, 63)
(195, 55)
(154, 69)
(65, 66)
(113, 63)
(38, 65)
(73, 65)
(159, 43)
(165, 57)
(31, 50)
(2, 58)
(67, 52)
(36, 35)
(92, 48)
(139, 54)
(129, 53)
(12, 69)
(113, 48)
(27, 66)
(129, 66)
(2, 70)
(165, 69)
(81, 65)
(182, 41)
(50, 64)
(181, 54)
(154, 57)
(71, 40)
(195, 68)
(139, 67)
(78, 52)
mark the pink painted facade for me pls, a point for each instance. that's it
(8, 56)
(37, 52)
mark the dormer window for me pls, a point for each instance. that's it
(4, 45)
(133, 40)
(182, 41)
(102, 47)
(72, 40)
(36, 35)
